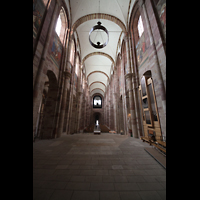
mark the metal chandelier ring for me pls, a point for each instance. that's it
(98, 45)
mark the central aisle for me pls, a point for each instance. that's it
(96, 167)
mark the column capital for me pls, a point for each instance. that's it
(67, 74)
(126, 36)
(129, 75)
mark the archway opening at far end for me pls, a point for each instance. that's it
(97, 102)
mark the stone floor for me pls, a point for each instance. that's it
(96, 167)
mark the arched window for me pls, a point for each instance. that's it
(72, 52)
(59, 38)
(58, 26)
(97, 102)
(77, 65)
(140, 26)
(61, 25)
(139, 37)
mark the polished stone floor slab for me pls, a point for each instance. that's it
(88, 166)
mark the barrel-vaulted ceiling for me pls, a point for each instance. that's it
(113, 16)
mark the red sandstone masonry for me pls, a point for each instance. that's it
(107, 113)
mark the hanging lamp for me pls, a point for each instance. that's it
(99, 27)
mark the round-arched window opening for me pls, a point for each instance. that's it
(97, 102)
(140, 26)
(58, 26)
(61, 25)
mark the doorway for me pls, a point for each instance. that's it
(96, 119)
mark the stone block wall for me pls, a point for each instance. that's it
(151, 55)
(137, 56)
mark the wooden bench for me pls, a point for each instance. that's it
(144, 138)
(159, 147)
(147, 139)
(161, 143)
(157, 143)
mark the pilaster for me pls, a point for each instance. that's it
(37, 90)
(67, 77)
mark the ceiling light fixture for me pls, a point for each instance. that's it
(99, 27)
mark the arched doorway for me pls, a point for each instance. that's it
(96, 119)
(97, 116)
(48, 122)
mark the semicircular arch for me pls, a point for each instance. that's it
(98, 72)
(96, 82)
(97, 89)
(98, 16)
(98, 53)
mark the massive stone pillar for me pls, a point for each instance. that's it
(115, 95)
(124, 110)
(135, 89)
(89, 107)
(111, 104)
(79, 108)
(38, 84)
(85, 110)
(68, 127)
(109, 107)
(131, 103)
(105, 109)
(128, 76)
(64, 100)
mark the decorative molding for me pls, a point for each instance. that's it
(97, 82)
(129, 75)
(98, 16)
(97, 89)
(67, 74)
(97, 72)
(98, 53)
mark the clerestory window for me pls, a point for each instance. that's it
(140, 26)
(97, 102)
(58, 26)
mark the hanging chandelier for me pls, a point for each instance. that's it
(99, 29)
